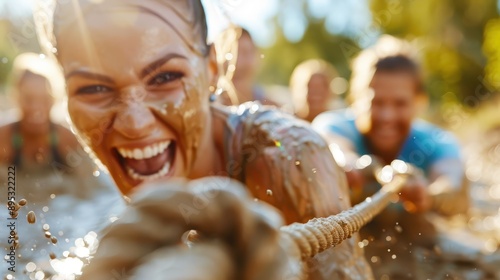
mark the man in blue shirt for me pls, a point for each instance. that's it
(387, 93)
(387, 129)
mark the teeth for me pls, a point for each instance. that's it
(164, 171)
(145, 152)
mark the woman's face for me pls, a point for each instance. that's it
(318, 92)
(137, 88)
(35, 102)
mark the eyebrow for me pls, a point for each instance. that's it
(152, 67)
(89, 75)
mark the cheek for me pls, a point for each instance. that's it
(188, 116)
(90, 123)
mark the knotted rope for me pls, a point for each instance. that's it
(240, 236)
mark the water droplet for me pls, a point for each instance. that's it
(96, 173)
(388, 238)
(228, 56)
(297, 162)
(45, 227)
(39, 275)
(361, 245)
(45, 208)
(30, 267)
(398, 228)
(52, 196)
(314, 170)
(368, 199)
(393, 257)
(269, 192)
(374, 259)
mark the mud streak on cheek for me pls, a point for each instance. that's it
(187, 118)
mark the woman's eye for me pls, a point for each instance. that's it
(93, 89)
(164, 78)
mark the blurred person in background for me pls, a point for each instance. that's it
(388, 91)
(244, 69)
(311, 87)
(51, 169)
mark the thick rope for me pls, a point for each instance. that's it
(238, 235)
(320, 234)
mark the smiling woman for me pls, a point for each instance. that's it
(138, 75)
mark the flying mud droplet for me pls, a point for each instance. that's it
(52, 256)
(269, 193)
(48, 234)
(53, 239)
(31, 217)
(23, 202)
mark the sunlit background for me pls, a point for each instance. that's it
(460, 40)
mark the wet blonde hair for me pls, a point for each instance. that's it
(300, 78)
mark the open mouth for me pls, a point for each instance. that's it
(150, 162)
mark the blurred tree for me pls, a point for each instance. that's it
(280, 60)
(460, 46)
(453, 35)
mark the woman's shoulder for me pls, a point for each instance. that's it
(257, 119)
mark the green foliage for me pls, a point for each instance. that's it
(280, 60)
(460, 46)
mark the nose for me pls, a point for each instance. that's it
(388, 115)
(134, 119)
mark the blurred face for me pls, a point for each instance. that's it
(35, 101)
(318, 91)
(247, 60)
(138, 89)
(393, 108)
